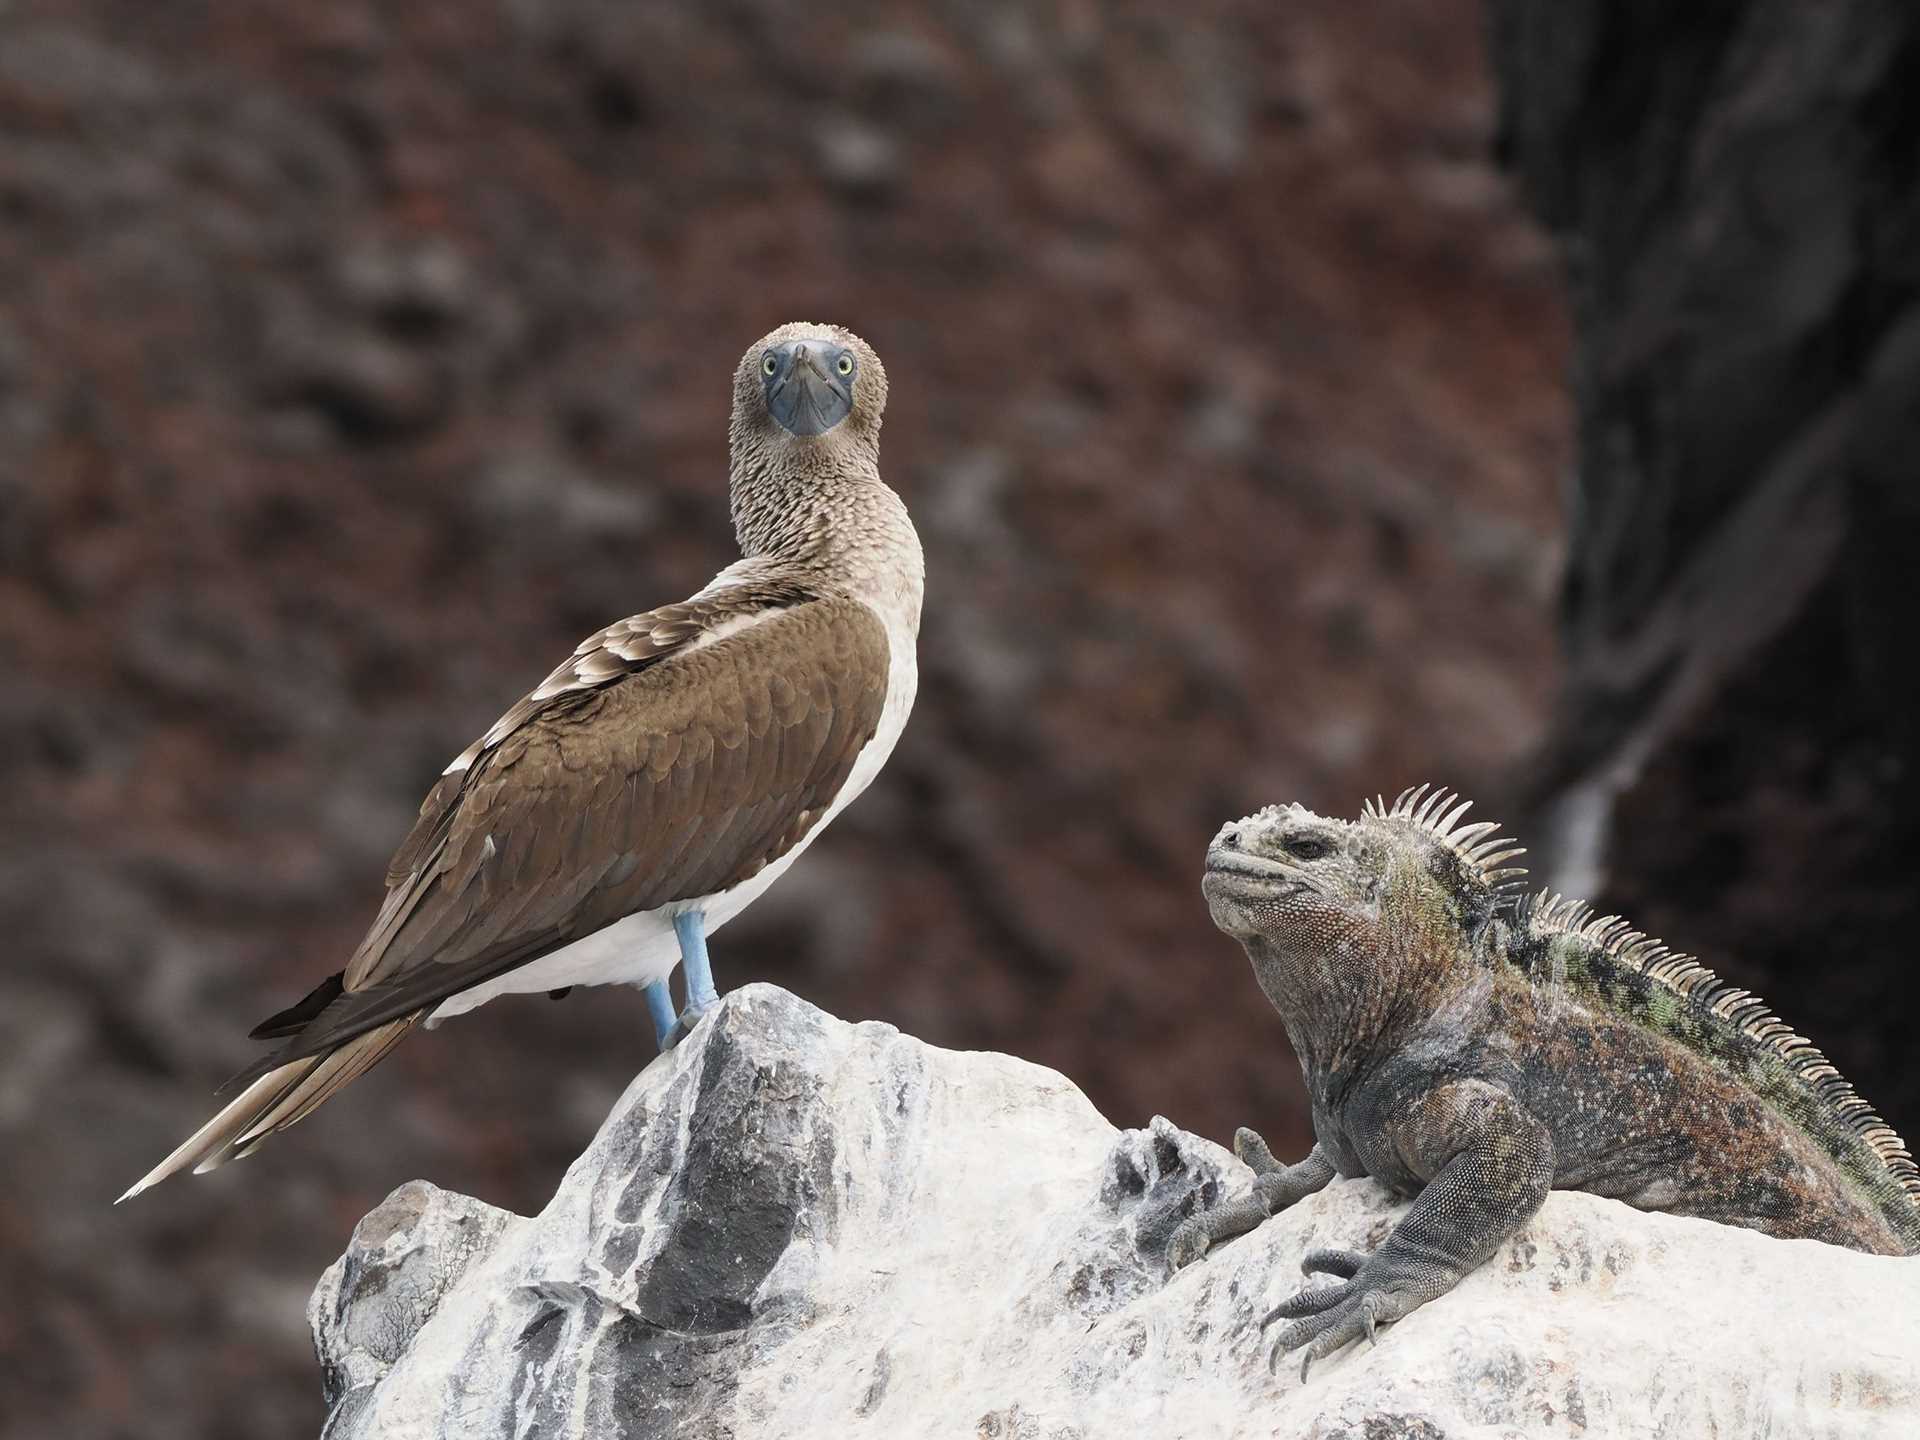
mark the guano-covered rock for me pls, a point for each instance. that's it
(793, 1226)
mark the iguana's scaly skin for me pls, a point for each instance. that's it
(1477, 1054)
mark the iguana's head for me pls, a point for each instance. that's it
(1345, 908)
(1290, 875)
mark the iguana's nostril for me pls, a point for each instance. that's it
(1230, 839)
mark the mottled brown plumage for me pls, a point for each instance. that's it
(653, 786)
(677, 758)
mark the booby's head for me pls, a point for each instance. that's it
(811, 384)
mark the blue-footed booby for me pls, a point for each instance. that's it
(661, 778)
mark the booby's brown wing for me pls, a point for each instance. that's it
(608, 792)
(621, 650)
(659, 764)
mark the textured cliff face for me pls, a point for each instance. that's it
(1737, 752)
(795, 1226)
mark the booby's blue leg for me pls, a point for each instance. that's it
(691, 928)
(660, 1007)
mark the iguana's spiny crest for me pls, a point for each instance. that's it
(1482, 852)
(1706, 1013)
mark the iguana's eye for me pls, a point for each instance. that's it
(845, 367)
(768, 364)
(1306, 849)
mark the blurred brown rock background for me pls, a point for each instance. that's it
(356, 360)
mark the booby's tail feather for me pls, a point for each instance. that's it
(279, 1098)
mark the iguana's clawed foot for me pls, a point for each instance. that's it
(1199, 1233)
(1253, 1152)
(1327, 1317)
(1275, 1187)
(1344, 1263)
(1190, 1242)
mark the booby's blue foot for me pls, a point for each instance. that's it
(660, 1007)
(682, 1027)
(691, 929)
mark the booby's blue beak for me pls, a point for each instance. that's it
(808, 385)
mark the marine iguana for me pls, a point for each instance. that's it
(1477, 1049)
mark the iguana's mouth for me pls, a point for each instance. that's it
(1239, 888)
(1234, 874)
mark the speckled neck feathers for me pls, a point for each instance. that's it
(814, 507)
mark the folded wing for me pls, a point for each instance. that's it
(675, 755)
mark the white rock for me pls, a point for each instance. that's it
(796, 1227)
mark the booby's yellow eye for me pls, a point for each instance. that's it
(768, 364)
(845, 367)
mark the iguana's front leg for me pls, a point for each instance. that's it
(1488, 1163)
(1275, 1186)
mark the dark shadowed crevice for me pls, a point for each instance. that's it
(1734, 188)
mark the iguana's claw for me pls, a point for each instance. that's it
(1190, 1242)
(1254, 1152)
(1332, 1317)
(1308, 1302)
(1344, 1263)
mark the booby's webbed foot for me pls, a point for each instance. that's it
(690, 927)
(1275, 1187)
(683, 1027)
